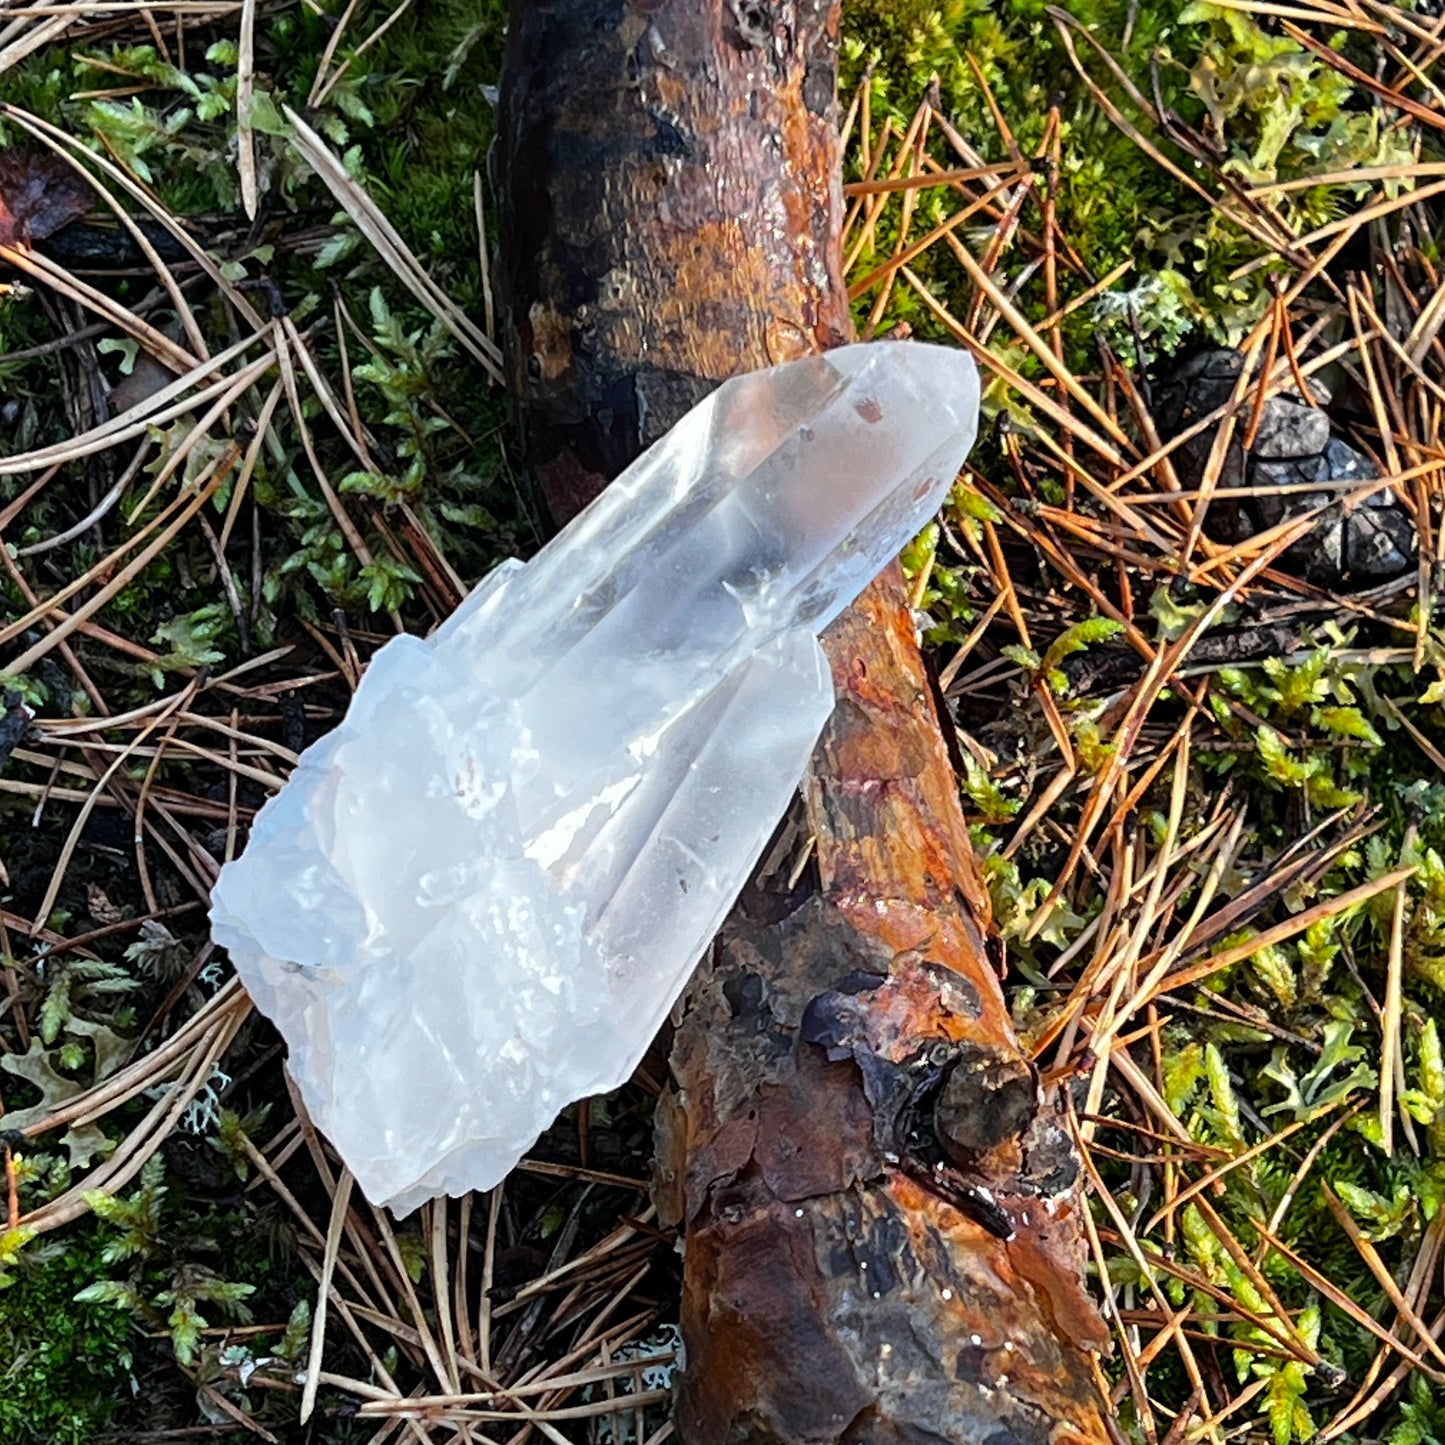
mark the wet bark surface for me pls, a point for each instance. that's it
(880, 1207)
(669, 182)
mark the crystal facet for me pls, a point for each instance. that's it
(475, 901)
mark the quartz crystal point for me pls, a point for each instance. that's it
(475, 901)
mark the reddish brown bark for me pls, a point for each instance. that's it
(881, 1218)
(845, 1039)
(668, 179)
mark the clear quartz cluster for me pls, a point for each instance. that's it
(475, 901)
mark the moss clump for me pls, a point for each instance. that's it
(68, 1365)
(1250, 106)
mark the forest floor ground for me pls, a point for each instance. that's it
(1208, 791)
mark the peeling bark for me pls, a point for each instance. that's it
(880, 1209)
(882, 1231)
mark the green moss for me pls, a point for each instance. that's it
(68, 1366)
(1269, 109)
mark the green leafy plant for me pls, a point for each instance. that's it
(136, 1238)
(68, 1367)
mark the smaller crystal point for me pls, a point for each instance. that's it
(475, 901)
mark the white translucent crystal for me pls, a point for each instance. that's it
(475, 901)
